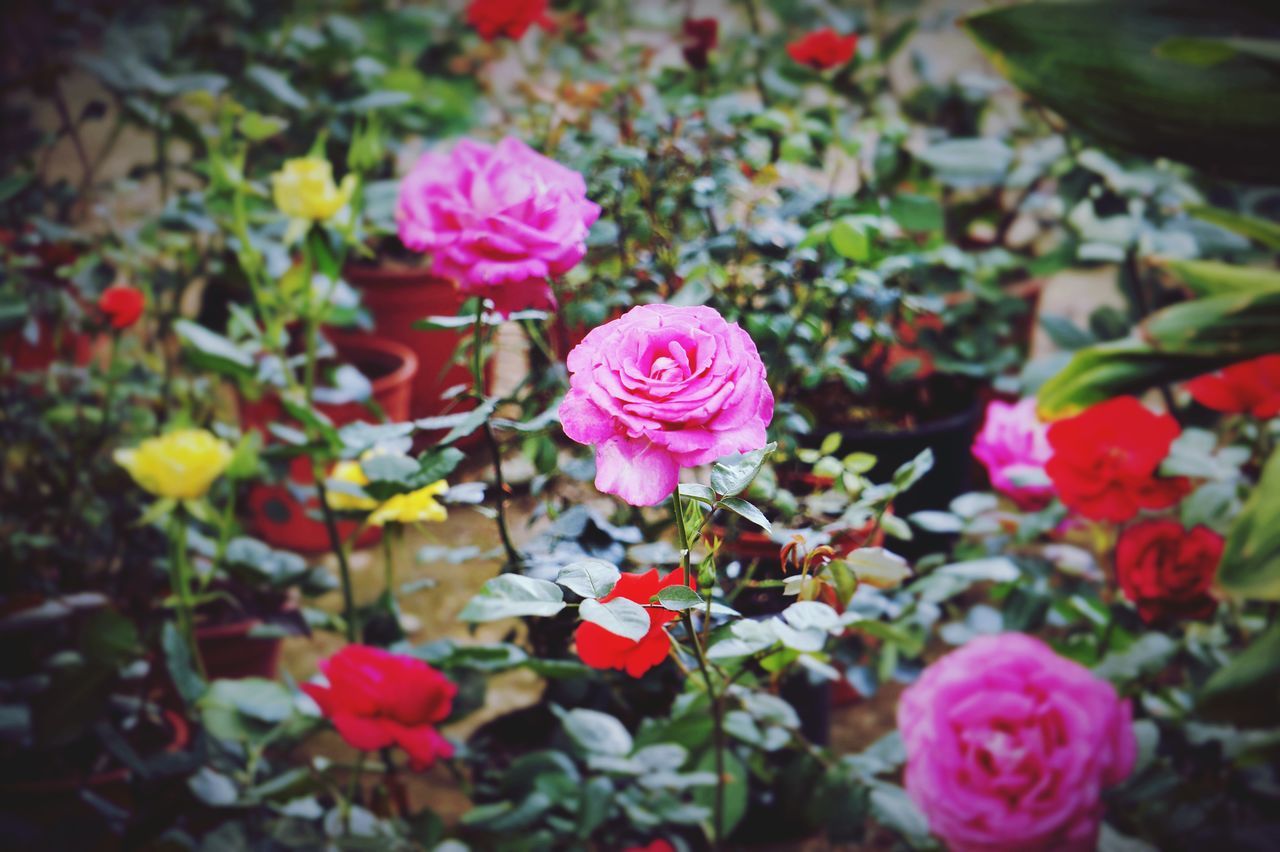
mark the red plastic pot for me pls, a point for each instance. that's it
(279, 519)
(398, 297)
(229, 652)
(53, 344)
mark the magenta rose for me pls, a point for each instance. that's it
(1013, 446)
(498, 219)
(661, 388)
(1009, 747)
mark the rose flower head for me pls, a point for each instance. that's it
(304, 189)
(122, 305)
(1013, 446)
(700, 38)
(1250, 387)
(1167, 571)
(180, 465)
(661, 388)
(1105, 460)
(376, 699)
(823, 49)
(601, 649)
(415, 507)
(1009, 747)
(498, 219)
(494, 19)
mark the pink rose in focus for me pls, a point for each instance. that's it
(661, 388)
(498, 219)
(1014, 446)
(1009, 747)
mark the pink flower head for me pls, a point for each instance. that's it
(661, 388)
(376, 699)
(1013, 446)
(498, 219)
(1009, 747)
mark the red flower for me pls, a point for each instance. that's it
(700, 38)
(510, 18)
(1251, 387)
(823, 49)
(376, 699)
(1166, 571)
(1105, 458)
(601, 649)
(122, 305)
(655, 846)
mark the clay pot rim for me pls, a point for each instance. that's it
(393, 274)
(181, 737)
(348, 342)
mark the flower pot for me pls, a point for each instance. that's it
(279, 518)
(399, 296)
(55, 811)
(230, 652)
(53, 344)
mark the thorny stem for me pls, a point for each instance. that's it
(499, 483)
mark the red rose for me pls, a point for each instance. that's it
(823, 49)
(376, 699)
(510, 18)
(601, 649)
(1251, 387)
(1105, 458)
(700, 38)
(1166, 570)
(122, 305)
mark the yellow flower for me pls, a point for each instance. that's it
(179, 466)
(415, 507)
(350, 473)
(304, 189)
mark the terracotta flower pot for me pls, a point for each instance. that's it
(229, 652)
(399, 296)
(280, 519)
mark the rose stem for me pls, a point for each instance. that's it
(717, 721)
(499, 484)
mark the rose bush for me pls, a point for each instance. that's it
(663, 388)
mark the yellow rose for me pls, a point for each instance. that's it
(304, 189)
(415, 507)
(179, 466)
(351, 473)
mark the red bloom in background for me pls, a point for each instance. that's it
(1105, 459)
(122, 305)
(655, 846)
(507, 18)
(601, 649)
(1167, 570)
(376, 699)
(701, 35)
(1251, 387)
(823, 49)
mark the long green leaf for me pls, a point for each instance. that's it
(1251, 561)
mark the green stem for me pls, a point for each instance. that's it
(499, 483)
(340, 551)
(717, 709)
(180, 582)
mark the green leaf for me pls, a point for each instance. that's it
(513, 595)
(736, 788)
(1262, 231)
(1148, 655)
(1250, 566)
(1097, 64)
(182, 671)
(257, 127)
(1215, 278)
(748, 511)
(595, 732)
(1065, 333)
(732, 474)
(212, 351)
(849, 239)
(679, 598)
(276, 85)
(620, 616)
(1246, 687)
(589, 578)
(893, 808)
(969, 163)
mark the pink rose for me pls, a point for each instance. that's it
(661, 388)
(498, 219)
(1009, 746)
(1014, 446)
